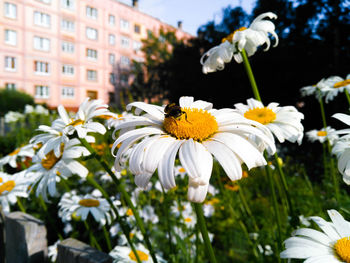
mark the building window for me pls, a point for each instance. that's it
(91, 75)
(137, 45)
(111, 39)
(91, 12)
(112, 78)
(41, 92)
(111, 20)
(10, 63)
(10, 86)
(42, 19)
(91, 94)
(111, 58)
(69, 4)
(91, 53)
(68, 47)
(67, 92)
(137, 29)
(41, 67)
(45, 1)
(10, 37)
(91, 33)
(125, 42)
(124, 79)
(68, 70)
(41, 43)
(124, 25)
(10, 10)
(67, 25)
(124, 61)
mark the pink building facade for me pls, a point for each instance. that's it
(62, 51)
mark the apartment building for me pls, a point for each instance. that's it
(61, 51)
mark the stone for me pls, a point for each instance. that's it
(25, 239)
(71, 250)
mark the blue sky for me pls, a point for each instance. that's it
(193, 13)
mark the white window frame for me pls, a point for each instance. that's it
(68, 47)
(91, 12)
(91, 75)
(42, 19)
(41, 43)
(124, 25)
(42, 91)
(10, 63)
(68, 70)
(111, 20)
(11, 86)
(68, 92)
(45, 1)
(10, 10)
(111, 58)
(125, 42)
(125, 61)
(137, 45)
(10, 37)
(111, 39)
(91, 33)
(68, 4)
(42, 68)
(91, 54)
(67, 25)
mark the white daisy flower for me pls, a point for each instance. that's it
(216, 57)
(333, 85)
(81, 206)
(124, 254)
(11, 158)
(180, 171)
(11, 187)
(331, 245)
(13, 116)
(50, 168)
(52, 251)
(148, 214)
(198, 133)
(83, 122)
(179, 208)
(283, 122)
(114, 119)
(257, 34)
(313, 90)
(323, 135)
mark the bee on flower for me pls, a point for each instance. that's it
(249, 39)
(196, 135)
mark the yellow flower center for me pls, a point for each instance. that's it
(8, 186)
(1, 180)
(321, 133)
(341, 83)
(182, 170)
(76, 122)
(50, 160)
(230, 36)
(188, 220)
(89, 202)
(129, 212)
(233, 187)
(15, 152)
(262, 115)
(342, 248)
(198, 125)
(142, 255)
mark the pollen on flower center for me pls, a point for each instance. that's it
(341, 83)
(8, 186)
(89, 202)
(197, 124)
(230, 36)
(342, 248)
(50, 160)
(142, 255)
(129, 212)
(188, 220)
(76, 122)
(14, 152)
(262, 115)
(321, 133)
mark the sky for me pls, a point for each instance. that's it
(192, 13)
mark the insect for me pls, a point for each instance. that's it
(174, 111)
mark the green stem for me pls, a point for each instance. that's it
(250, 75)
(51, 222)
(347, 96)
(108, 240)
(275, 207)
(122, 224)
(323, 114)
(93, 241)
(204, 231)
(20, 205)
(125, 195)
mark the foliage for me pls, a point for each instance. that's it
(13, 100)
